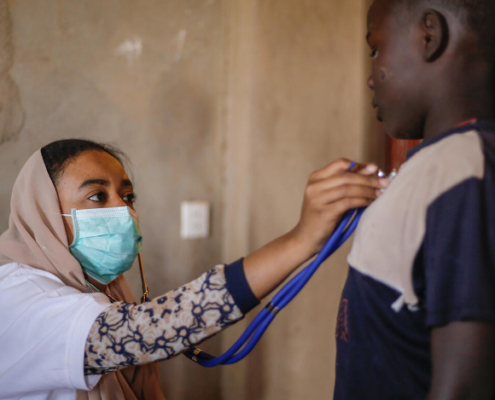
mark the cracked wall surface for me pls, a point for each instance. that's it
(230, 101)
(11, 112)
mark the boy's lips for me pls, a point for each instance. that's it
(375, 108)
(377, 111)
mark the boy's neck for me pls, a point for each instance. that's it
(437, 126)
(454, 104)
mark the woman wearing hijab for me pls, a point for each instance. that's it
(71, 328)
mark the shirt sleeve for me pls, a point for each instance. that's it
(128, 334)
(43, 333)
(459, 255)
(239, 288)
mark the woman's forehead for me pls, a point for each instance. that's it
(92, 163)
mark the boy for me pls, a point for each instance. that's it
(417, 315)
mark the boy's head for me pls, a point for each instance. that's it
(429, 57)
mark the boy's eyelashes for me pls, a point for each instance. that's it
(374, 53)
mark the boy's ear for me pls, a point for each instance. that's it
(436, 34)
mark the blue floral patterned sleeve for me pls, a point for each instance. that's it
(129, 334)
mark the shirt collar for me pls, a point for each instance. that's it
(462, 128)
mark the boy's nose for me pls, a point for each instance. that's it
(371, 83)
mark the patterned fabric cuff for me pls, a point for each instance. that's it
(239, 288)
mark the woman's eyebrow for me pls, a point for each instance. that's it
(126, 182)
(89, 182)
(103, 182)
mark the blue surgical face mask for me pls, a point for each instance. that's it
(106, 241)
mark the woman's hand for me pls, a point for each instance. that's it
(330, 192)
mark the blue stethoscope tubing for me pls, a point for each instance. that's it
(290, 290)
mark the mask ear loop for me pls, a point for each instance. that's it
(145, 297)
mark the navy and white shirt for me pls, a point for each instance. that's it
(423, 256)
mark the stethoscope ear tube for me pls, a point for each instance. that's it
(262, 321)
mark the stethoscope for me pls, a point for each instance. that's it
(251, 336)
(144, 298)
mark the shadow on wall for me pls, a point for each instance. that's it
(11, 112)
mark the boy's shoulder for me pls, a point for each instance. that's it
(457, 154)
(442, 177)
(439, 165)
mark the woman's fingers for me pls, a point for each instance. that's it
(331, 191)
(346, 178)
(366, 169)
(340, 166)
(349, 203)
(347, 191)
(334, 168)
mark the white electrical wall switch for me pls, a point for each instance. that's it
(195, 219)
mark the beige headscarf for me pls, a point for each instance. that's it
(36, 237)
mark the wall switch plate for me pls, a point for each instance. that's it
(195, 219)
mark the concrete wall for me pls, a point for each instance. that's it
(231, 101)
(306, 107)
(146, 76)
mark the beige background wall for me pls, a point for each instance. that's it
(306, 91)
(230, 101)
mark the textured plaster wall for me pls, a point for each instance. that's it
(306, 108)
(11, 112)
(230, 101)
(146, 76)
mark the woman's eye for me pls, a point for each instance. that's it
(374, 54)
(98, 197)
(130, 198)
